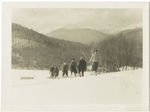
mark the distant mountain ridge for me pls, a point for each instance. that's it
(78, 35)
(107, 28)
(85, 36)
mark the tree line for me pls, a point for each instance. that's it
(119, 52)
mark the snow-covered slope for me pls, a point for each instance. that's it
(104, 27)
(113, 88)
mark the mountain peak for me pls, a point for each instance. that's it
(85, 35)
(107, 28)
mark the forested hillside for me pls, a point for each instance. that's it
(122, 50)
(32, 50)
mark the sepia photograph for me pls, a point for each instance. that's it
(78, 56)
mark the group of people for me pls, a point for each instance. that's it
(77, 68)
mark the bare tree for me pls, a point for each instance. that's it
(119, 51)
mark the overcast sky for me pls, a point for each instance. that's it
(45, 19)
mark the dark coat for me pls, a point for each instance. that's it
(51, 69)
(73, 64)
(56, 72)
(65, 68)
(82, 65)
(73, 67)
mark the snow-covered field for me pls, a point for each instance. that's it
(123, 87)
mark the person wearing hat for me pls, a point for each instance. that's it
(82, 66)
(73, 67)
(94, 60)
(65, 69)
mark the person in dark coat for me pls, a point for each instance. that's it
(51, 72)
(82, 66)
(73, 67)
(65, 69)
(56, 72)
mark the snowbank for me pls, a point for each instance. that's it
(113, 88)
